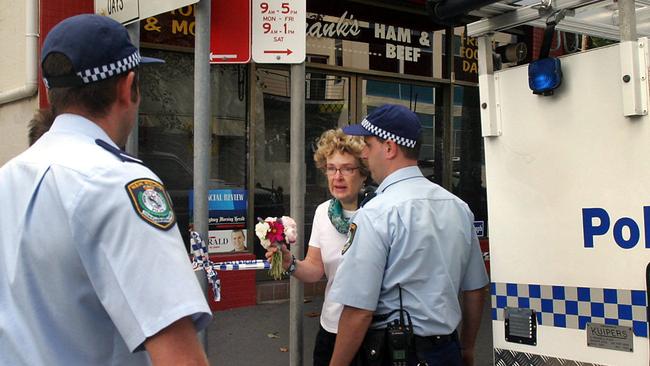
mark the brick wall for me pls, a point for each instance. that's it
(237, 287)
(269, 291)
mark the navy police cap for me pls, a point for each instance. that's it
(98, 46)
(389, 122)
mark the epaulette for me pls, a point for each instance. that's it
(122, 155)
(368, 193)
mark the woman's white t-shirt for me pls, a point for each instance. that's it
(330, 242)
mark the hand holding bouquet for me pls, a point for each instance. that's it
(275, 232)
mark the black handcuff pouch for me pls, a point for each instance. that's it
(373, 348)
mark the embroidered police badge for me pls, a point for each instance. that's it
(151, 202)
(348, 242)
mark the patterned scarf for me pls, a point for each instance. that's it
(335, 214)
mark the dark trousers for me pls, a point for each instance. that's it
(445, 354)
(323, 347)
(429, 353)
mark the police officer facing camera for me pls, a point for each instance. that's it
(93, 270)
(414, 243)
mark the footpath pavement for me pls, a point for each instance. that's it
(259, 335)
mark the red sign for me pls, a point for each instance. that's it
(230, 37)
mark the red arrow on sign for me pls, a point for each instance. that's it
(287, 51)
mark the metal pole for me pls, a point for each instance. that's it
(627, 20)
(202, 135)
(252, 143)
(298, 179)
(132, 141)
(447, 105)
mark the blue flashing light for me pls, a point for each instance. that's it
(544, 75)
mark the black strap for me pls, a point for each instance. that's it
(367, 198)
(551, 22)
(546, 41)
(64, 81)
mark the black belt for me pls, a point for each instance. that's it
(434, 340)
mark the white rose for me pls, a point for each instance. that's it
(261, 229)
(266, 243)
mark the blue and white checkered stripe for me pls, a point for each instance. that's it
(201, 261)
(111, 69)
(574, 307)
(387, 135)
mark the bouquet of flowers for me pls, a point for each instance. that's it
(274, 231)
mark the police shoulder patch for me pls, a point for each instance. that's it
(348, 242)
(151, 202)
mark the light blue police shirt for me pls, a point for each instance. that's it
(84, 280)
(417, 235)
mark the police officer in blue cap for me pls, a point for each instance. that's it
(93, 270)
(411, 250)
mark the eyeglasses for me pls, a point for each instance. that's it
(345, 171)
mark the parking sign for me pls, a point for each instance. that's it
(230, 31)
(279, 34)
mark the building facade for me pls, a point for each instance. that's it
(360, 55)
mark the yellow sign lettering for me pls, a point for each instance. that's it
(470, 67)
(151, 25)
(179, 26)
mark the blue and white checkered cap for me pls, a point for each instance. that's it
(389, 122)
(98, 47)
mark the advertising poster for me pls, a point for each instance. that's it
(226, 220)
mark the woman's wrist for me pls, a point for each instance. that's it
(292, 266)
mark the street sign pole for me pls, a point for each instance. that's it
(132, 141)
(202, 135)
(297, 207)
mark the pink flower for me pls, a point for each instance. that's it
(276, 232)
(290, 229)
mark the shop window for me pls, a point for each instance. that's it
(316, 82)
(166, 125)
(326, 107)
(468, 159)
(426, 101)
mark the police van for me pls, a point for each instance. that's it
(567, 153)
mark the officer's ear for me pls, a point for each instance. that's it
(126, 86)
(390, 148)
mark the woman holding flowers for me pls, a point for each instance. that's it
(338, 156)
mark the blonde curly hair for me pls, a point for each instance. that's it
(332, 141)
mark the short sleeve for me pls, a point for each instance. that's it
(475, 275)
(317, 226)
(359, 277)
(141, 272)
